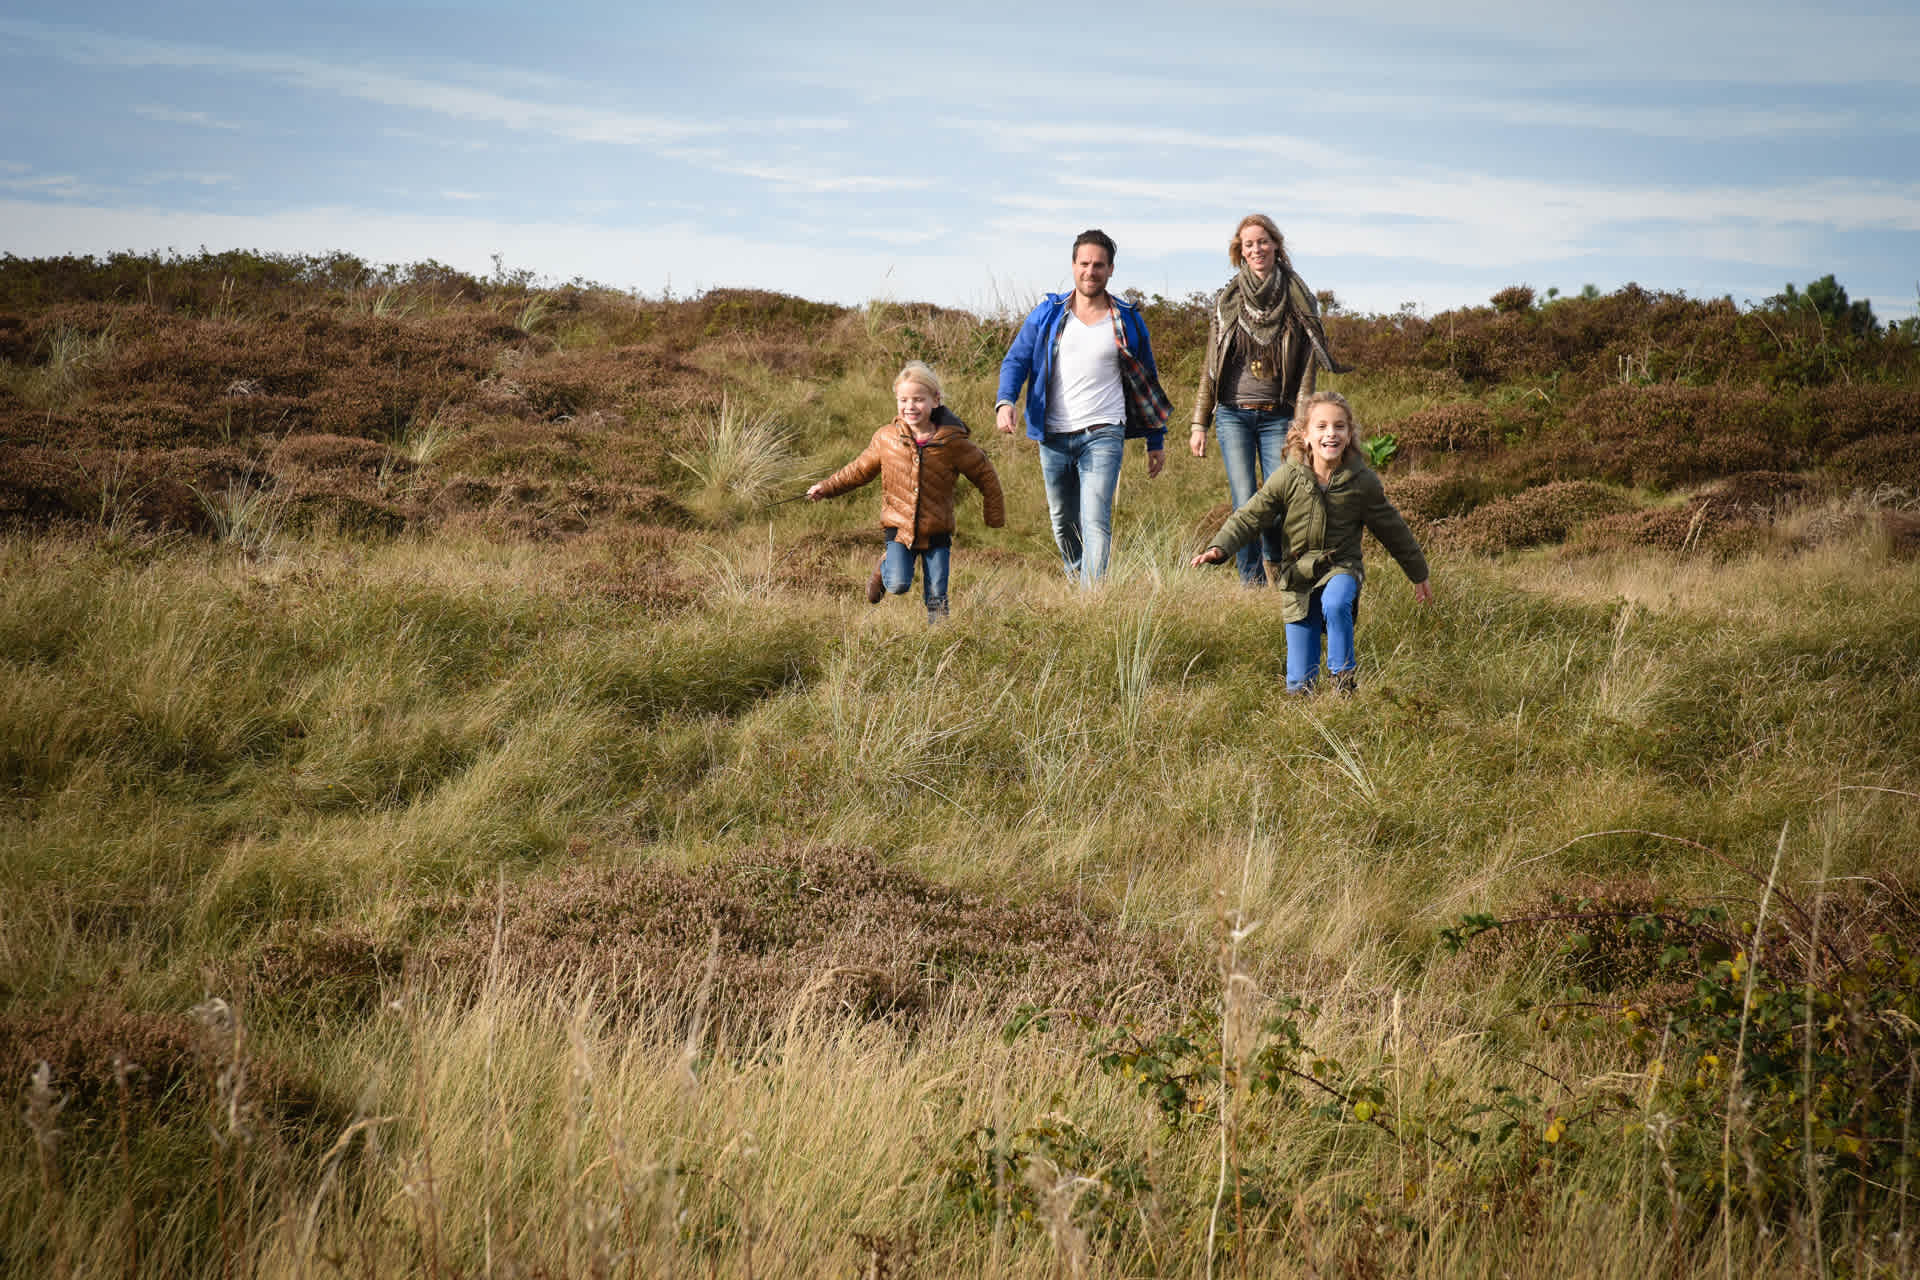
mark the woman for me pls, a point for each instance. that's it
(1264, 348)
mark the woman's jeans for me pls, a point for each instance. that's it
(1081, 473)
(1331, 611)
(1252, 445)
(896, 571)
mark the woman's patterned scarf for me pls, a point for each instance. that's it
(1258, 314)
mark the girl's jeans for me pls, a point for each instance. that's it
(1252, 445)
(1331, 611)
(1081, 473)
(896, 571)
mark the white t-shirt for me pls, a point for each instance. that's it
(1084, 389)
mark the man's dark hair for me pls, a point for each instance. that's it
(1095, 235)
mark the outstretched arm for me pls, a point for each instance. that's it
(852, 476)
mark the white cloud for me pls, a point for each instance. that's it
(1096, 136)
(814, 179)
(171, 115)
(191, 179)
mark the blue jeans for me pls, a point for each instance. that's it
(1332, 612)
(1081, 472)
(1251, 445)
(896, 571)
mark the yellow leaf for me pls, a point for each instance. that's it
(1363, 1111)
(1555, 1128)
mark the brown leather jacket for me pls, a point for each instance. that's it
(917, 484)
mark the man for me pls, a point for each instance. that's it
(1091, 382)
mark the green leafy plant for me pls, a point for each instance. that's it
(1380, 449)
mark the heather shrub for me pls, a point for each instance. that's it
(1878, 461)
(1533, 517)
(1513, 298)
(1759, 494)
(1664, 436)
(1445, 428)
(1699, 526)
(1840, 415)
(769, 929)
(1426, 496)
(760, 311)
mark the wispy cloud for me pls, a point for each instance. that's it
(178, 177)
(1265, 144)
(1708, 123)
(459, 102)
(434, 139)
(171, 115)
(61, 186)
(1485, 220)
(811, 178)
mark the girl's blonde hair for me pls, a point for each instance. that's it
(1296, 446)
(921, 372)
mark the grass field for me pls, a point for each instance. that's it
(573, 875)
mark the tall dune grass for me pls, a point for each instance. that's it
(213, 764)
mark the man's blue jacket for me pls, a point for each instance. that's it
(1030, 359)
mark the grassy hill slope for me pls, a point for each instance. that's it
(453, 825)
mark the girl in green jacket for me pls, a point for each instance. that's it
(1322, 498)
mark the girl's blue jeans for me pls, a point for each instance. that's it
(896, 571)
(1331, 612)
(1252, 445)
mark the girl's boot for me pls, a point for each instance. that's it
(936, 611)
(876, 585)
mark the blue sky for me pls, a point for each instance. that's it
(1412, 153)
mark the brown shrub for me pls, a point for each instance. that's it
(174, 379)
(634, 566)
(1758, 494)
(1533, 517)
(836, 929)
(818, 561)
(1426, 496)
(154, 489)
(1903, 534)
(39, 486)
(1445, 428)
(338, 453)
(1878, 461)
(1703, 525)
(1663, 436)
(168, 1068)
(1840, 415)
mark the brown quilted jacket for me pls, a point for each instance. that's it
(917, 484)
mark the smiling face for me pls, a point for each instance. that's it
(916, 402)
(1329, 432)
(1092, 268)
(1257, 249)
